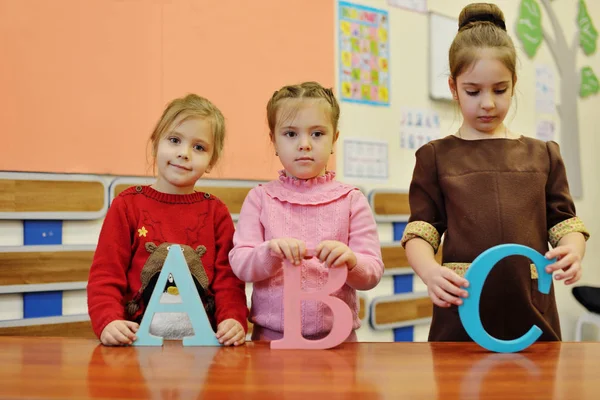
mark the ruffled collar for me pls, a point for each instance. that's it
(319, 190)
(290, 180)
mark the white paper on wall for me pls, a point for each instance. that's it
(412, 5)
(418, 126)
(545, 130)
(544, 90)
(365, 159)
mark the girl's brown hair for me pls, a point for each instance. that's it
(310, 90)
(481, 25)
(191, 106)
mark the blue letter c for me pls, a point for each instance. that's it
(476, 275)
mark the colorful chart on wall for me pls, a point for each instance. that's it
(364, 54)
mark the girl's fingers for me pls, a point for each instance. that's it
(454, 278)
(302, 250)
(324, 253)
(439, 302)
(569, 272)
(342, 260)
(562, 263)
(447, 297)
(557, 252)
(449, 287)
(223, 328)
(334, 255)
(134, 326)
(235, 338)
(228, 335)
(575, 278)
(120, 338)
(295, 251)
(108, 340)
(285, 249)
(125, 331)
(276, 249)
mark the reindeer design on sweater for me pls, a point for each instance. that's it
(155, 263)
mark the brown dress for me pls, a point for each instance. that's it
(482, 193)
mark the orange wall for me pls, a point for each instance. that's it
(83, 82)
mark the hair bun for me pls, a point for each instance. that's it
(481, 12)
(484, 18)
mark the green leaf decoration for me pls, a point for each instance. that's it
(589, 82)
(588, 35)
(529, 26)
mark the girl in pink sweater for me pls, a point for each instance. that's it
(304, 213)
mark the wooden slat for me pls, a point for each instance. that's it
(390, 203)
(232, 196)
(81, 329)
(51, 196)
(21, 268)
(395, 257)
(362, 308)
(388, 312)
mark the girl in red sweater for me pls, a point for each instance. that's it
(187, 142)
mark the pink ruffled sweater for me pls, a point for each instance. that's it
(310, 210)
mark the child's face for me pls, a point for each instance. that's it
(183, 155)
(484, 92)
(304, 136)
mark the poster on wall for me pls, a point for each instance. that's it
(366, 159)
(544, 90)
(411, 5)
(545, 130)
(418, 126)
(364, 54)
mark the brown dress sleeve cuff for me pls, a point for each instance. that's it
(423, 230)
(570, 225)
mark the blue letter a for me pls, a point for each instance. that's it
(191, 304)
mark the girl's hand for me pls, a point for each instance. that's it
(119, 332)
(293, 250)
(444, 286)
(569, 260)
(335, 254)
(230, 332)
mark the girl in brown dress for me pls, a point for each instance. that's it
(486, 186)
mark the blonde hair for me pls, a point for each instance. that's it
(191, 106)
(306, 90)
(480, 26)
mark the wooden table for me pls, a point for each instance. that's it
(64, 368)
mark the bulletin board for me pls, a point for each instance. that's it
(364, 54)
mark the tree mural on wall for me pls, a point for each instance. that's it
(573, 82)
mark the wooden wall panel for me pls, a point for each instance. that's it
(394, 257)
(398, 311)
(390, 203)
(24, 268)
(50, 196)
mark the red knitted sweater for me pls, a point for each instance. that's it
(140, 215)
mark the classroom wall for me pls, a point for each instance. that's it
(409, 79)
(85, 81)
(409, 83)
